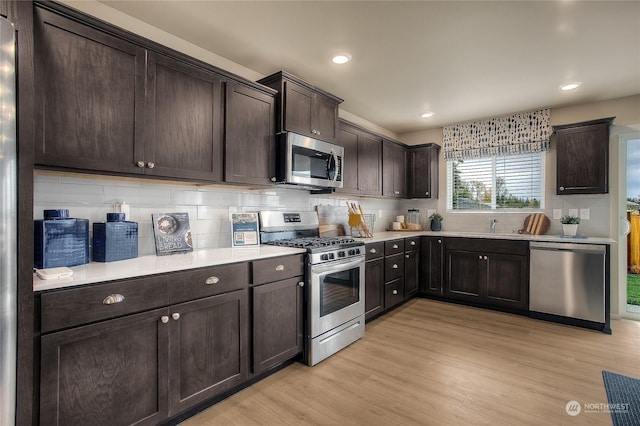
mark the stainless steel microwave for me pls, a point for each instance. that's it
(309, 162)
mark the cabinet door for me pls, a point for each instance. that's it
(91, 91)
(209, 348)
(423, 172)
(348, 139)
(249, 135)
(325, 121)
(393, 293)
(431, 265)
(369, 165)
(393, 267)
(394, 170)
(108, 373)
(507, 281)
(374, 287)
(277, 323)
(464, 275)
(298, 109)
(184, 121)
(582, 162)
(411, 273)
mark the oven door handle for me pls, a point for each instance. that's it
(337, 266)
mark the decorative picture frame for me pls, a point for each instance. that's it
(172, 233)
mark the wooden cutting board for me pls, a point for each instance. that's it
(333, 221)
(535, 224)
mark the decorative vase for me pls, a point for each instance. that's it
(569, 229)
(436, 225)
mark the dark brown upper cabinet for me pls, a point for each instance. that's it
(362, 173)
(183, 126)
(423, 171)
(304, 109)
(249, 135)
(583, 157)
(394, 169)
(91, 95)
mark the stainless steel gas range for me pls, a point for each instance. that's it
(334, 290)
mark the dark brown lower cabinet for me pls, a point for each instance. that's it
(411, 282)
(143, 368)
(494, 273)
(374, 287)
(277, 323)
(431, 265)
(109, 373)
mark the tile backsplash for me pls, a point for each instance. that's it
(92, 197)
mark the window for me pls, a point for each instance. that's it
(496, 183)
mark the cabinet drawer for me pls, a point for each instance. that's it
(73, 307)
(276, 269)
(393, 247)
(374, 250)
(208, 281)
(393, 267)
(393, 293)
(412, 243)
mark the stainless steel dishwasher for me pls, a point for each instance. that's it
(569, 281)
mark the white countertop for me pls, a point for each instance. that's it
(95, 272)
(392, 235)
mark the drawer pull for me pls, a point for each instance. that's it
(395, 246)
(395, 291)
(301, 283)
(175, 316)
(164, 319)
(485, 258)
(280, 268)
(113, 298)
(480, 257)
(439, 241)
(413, 243)
(406, 255)
(212, 280)
(395, 266)
(373, 251)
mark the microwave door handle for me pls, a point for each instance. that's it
(335, 165)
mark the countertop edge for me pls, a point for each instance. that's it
(392, 235)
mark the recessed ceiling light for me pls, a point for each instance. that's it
(570, 86)
(340, 58)
(426, 114)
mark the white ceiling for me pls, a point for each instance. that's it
(461, 60)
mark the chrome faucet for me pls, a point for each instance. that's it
(492, 226)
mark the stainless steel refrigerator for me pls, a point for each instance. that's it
(8, 224)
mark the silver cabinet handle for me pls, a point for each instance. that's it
(439, 241)
(406, 255)
(273, 179)
(301, 283)
(140, 164)
(396, 192)
(151, 164)
(373, 251)
(280, 268)
(164, 319)
(113, 298)
(212, 280)
(395, 291)
(413, 243)
(485, 258)
(395, 246)
(175, 316)
(480, 257)
(561, 188)
(426, 193)
(395, 266)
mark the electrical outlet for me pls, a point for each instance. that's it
(557, 213)
(430, 212)
(584, 214)
(380, 214)
(573, 212)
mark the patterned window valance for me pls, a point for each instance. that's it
(521, 133)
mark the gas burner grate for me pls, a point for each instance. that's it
(312, 242)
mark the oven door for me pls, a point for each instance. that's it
(336, 294)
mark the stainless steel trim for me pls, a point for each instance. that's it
(273, 221)
(8, 225)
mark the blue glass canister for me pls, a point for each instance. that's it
(115, 239)
(59, 240)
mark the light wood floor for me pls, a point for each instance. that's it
(434, 363)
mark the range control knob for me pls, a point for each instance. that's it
(324, 257)
(341, 254)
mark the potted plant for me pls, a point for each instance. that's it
(436, 222)
(570, 225)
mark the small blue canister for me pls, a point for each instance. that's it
(115, 239)
(59, 240)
